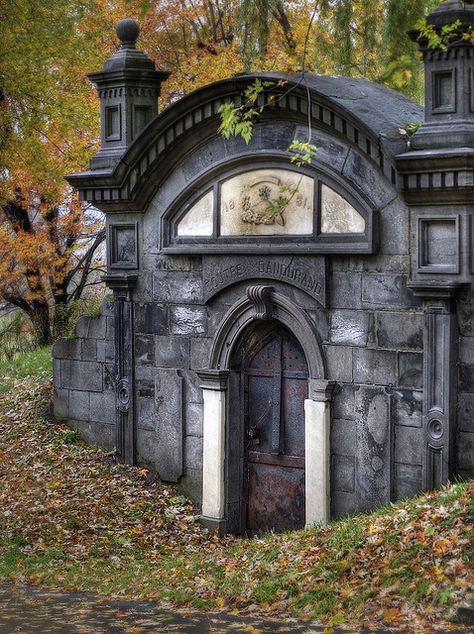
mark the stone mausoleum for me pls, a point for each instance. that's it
(288, 368)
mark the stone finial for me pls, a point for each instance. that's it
(128, 86)
(127, 31)
(449, 86)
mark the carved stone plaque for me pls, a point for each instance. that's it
(267, 202)
(306, 273)
(123, 246)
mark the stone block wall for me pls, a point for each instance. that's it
(374, 350)
(84, 385)
(465, 427)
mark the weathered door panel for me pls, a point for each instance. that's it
(276, 387)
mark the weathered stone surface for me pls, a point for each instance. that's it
(153, 262)
(343, 403)
(410, 370)
(60, 403)
(349, 327)
(109, 374)
(466, 452)
(67, 349)
(172, 352)
(343, 473)
(320, 319)
(331, 151)
(366, 179)
(343, 503)
(193, 453)
(465, 315)
(466, 350)
(339, 363)
(187, 320)
(387, 291)
(97, 327)
(399, 330)
(89, 349)
(394, 225)
(192, 387)
(407, 407)
(103, 407)
(105, 351)
(408, 445)
(146, 387)
(82, 327)
(93, 432)
(146, 413)
(466, 377)
(191, 484)
(169, 425)
(343, 437)
(79, 405)
(110, 329)
(194, 413)
(407, 481)
(143, 291)
(81, 375)
(144, 349)
(346, 290)
(374, 442)
(466, 412)
(107, 307)
(200, 351)
(177, 287)
(151, 319)
(374, 367)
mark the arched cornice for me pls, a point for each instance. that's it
(260, 303)
(363, 114)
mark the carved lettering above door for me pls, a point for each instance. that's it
(306, 273)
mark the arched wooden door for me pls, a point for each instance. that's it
(275, 388)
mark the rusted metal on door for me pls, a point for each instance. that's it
(276, 385)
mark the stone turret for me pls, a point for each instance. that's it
(128, 87)
(449, 80)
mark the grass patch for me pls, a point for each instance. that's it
(36, 364)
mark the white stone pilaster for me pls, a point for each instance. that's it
(213, 451)
(213, 458)
(318, 452)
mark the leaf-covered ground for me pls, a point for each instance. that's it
(72, 519)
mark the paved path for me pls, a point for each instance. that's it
(36, 611)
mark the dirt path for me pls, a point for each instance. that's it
(35, 611)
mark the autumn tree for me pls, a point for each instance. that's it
(48, 128)
(49, 111)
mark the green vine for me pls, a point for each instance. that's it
(238, 121)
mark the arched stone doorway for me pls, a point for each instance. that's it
(272, 376)
(266, 419)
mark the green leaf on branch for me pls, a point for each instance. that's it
(303, 153)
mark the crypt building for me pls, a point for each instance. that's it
(288, 341)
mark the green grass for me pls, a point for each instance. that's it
(97, 527)
(23, 365)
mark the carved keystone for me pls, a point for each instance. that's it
(261, 298)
